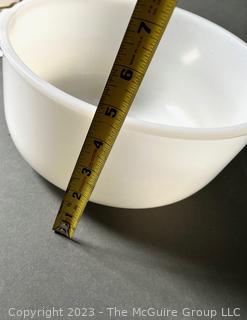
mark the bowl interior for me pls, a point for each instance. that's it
(196, 78)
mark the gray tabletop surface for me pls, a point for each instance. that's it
(191, 254)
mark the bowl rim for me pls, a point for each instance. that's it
(131, 123)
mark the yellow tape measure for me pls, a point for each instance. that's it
(145, 29)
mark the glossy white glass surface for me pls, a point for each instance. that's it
(188, 121)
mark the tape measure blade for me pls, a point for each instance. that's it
(144, 31)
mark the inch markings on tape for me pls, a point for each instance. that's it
(145, 29)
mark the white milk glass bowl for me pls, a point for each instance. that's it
(189, 118)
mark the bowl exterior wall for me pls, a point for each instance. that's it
(142, 170)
